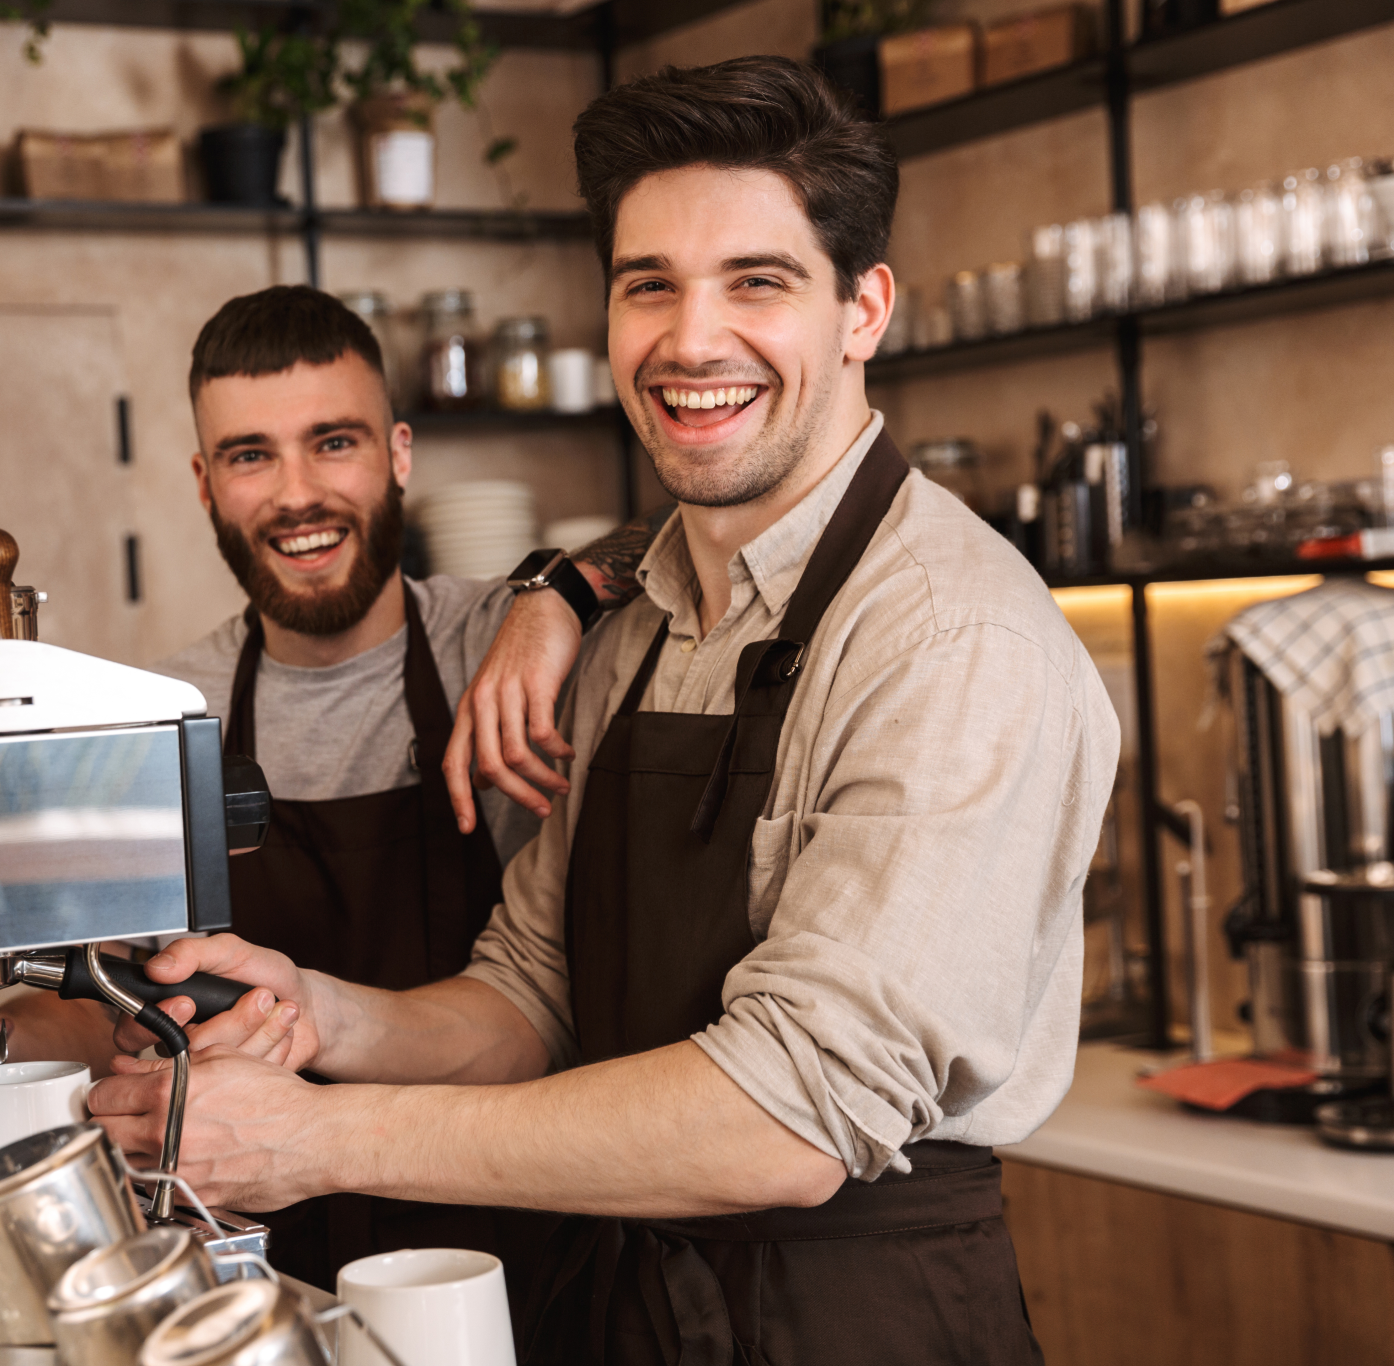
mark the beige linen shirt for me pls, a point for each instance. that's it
(915, 885)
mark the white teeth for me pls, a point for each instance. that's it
(711, 398)
(315, 540)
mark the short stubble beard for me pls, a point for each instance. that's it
(325, 611)
(769, 459)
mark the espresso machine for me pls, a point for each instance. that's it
(1315, 923)
(118, 813)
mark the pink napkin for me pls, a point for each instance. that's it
(1220, 1084)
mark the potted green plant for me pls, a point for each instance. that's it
(283, 76)
(395, 101)
(34, 13)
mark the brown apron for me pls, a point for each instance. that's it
(915, 1268)
(384, 890)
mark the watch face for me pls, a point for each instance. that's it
(536, 564)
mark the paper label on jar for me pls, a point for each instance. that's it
(404, 166)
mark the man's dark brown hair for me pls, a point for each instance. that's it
(267, 332)
(755, 113)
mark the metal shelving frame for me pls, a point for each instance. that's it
(1112, 81)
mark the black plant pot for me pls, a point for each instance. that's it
(242, 162)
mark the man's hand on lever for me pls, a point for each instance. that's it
(274, 1021)
(510, 704)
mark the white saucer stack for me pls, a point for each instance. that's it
(479, 529)
(574, 533)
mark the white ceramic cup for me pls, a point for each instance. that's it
(440, 1306)
(35, 1096)
(571, 373)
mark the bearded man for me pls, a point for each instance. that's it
(341, 678)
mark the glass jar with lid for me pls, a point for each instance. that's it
(453, 369)
(520, 364)
(374, 309)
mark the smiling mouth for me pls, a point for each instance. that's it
(706, 407)
(308, 543)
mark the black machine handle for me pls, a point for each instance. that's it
(211, 995)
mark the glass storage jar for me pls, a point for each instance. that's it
(374, 309)
(454, 355)
(520, 364)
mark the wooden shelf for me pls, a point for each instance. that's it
(1328, 289)
(613, 23)
(102, 215)
(426, 423)
(1209, 569)
(1253, 35)
(495, 225)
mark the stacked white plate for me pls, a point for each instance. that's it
(479, 529)
(574, 533)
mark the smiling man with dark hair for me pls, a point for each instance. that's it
(803, 938)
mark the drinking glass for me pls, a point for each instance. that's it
(1045, 276)
(1156, 280)
(1113, 248)
(1304, 214)
(1081, 274)
(1258, 232)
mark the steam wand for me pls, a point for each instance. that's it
(158, 1023)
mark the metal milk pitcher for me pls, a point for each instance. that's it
(107, 1304)
(62, 1196)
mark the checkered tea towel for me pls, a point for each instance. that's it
(1330, 651)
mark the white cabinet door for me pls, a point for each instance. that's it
(64, 494)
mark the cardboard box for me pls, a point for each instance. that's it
(924, 68)
(145, 166)
(1037, 42)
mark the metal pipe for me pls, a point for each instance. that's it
(1159, 1028)
(1197, 909)
(162, 1204)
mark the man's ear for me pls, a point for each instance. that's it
(873, 306)
(205, 494)
(400, 444)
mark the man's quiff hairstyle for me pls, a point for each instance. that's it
(751, 113)
(268, 332)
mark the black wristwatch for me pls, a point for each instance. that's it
(553, 569)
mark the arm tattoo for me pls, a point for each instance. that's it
(617, 555)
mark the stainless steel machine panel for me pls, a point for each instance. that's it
(92, 842)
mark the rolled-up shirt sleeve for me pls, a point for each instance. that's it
(920, 969)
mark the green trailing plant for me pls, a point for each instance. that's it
(35, 14)
(388, 27)
(844, 19)
(283, 77)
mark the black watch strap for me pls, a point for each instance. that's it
(554, 569)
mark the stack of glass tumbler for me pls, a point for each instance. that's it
(1201, 244)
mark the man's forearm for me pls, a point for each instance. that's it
(664, 1133)
(611, 563)
(456, 1031)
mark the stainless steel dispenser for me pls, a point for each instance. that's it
(1316, 920)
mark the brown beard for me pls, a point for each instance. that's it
(327, 611)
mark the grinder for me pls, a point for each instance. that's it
(117, 816)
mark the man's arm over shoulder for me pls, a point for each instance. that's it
(920, 973)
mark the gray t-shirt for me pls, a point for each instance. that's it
(343, 731)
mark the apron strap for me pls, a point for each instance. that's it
(641, 679)
(240, 737)
(778, 663)
(463, 876)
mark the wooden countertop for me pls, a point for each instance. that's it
(1111, 1128)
